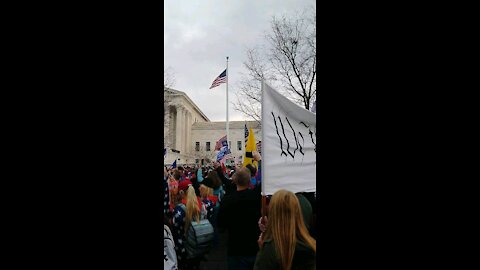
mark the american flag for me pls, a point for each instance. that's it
(220, 143)
(222, 78)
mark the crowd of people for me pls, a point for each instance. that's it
(202, 201)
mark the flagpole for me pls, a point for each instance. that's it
(264, 197)
(228, 142)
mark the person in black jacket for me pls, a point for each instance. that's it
(238, 214)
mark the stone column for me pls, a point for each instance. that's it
(190, 123)
(184, 130)
(189, 132)
(185, 144)
(185, 148)
(166, 125)
(178, 144)
(171, 126)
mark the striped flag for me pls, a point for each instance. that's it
(246, 134)
(222, 78)
(259, 147)
(221, 142)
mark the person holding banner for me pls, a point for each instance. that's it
(286, 243)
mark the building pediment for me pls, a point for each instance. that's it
(184, 98)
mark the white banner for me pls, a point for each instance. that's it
(289, 138)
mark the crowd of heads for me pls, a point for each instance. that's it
(200, 187)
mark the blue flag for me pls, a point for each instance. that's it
(224, 151)
(174, 164)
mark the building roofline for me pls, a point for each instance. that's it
(180, 93)
(222, 125)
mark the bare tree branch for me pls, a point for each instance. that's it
(168, 78)
(168, 82)
(288, 63)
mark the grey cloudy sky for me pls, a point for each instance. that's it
(198, 35)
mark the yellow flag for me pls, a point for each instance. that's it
(249, 148)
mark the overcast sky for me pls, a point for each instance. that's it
(199, 35)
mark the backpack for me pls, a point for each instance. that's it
(199, 237)
(169, 255)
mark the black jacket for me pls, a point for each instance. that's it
(239, 214)
(303, 258)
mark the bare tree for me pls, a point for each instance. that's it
(206, 155)
(168, 82)
(168, 78)
(287, 62)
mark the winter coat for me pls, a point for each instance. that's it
(303, 258)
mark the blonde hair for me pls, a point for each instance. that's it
(286, 227)
(177, 198)
(192, 209)
(205, 191)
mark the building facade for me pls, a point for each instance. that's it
(190, 137)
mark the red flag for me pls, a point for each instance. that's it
(224, 168)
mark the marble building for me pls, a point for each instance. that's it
(189, 135)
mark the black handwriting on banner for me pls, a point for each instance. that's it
(304, 124)
(288, 143)
(299, 143)
(303, 143)
(294, 135)
(311, 136)
(281, 144)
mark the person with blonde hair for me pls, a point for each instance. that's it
(189, 209)
(206, 191)
(286, 243)
(173, 188)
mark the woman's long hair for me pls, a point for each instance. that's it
(192, 209)
(286, 227)
(205, 191)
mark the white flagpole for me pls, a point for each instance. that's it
(228, 142)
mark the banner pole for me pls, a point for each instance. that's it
(228, 142)
(262, 185)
